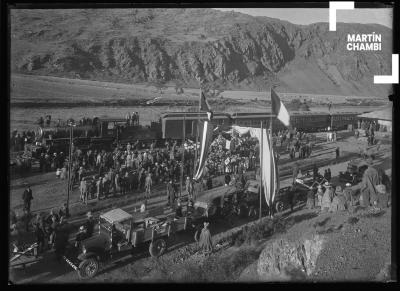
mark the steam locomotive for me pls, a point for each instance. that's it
(102, 134)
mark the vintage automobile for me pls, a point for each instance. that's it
(306, 182)
(120, 233)
(212, 205)
(354, 172)
(250, 198)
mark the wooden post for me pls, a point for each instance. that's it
(183, 152)
(69, 169)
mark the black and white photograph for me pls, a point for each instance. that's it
(191, 144)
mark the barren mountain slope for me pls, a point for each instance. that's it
(236, 50)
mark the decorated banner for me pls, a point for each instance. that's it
(205, 142)
(270, 176)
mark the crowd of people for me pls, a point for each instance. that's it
(19, 140)
(374, 192)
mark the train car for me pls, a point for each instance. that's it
(343, 120)
(302, 120)
(172, 123)
(309, 121)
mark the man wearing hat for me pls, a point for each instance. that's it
(320, 193)
(170, 194)
(27, 198)
(89, 224)
(327, 197)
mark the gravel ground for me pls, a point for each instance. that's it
(358, 245)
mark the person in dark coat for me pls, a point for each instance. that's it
(178, 209)
(337, 153)
(89, 224)
(40, 234)
(315, 172)
(61, 239)
(329, 174)
(170, 194)
(227, 179)
(27, 198)
(292, 196)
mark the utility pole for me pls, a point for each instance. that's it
(183, 152)
(71, 137)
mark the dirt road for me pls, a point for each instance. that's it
(45, 189)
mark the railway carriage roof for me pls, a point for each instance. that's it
(116, 215)
(209, 195)
(291, 113)
(190, 115)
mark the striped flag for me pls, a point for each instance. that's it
(205, 142)
(205, 138)
(279, 109)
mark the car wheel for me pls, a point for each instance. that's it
(157, 247)
(88, 268)
(279, 206)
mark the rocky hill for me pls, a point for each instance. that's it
(234, 50)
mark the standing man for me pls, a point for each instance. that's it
(337, 153)
(148, 184)
(27, 197)
(99, 186)
(189, 187)
(170, 194)
(295, 172)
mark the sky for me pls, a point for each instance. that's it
(306, 16)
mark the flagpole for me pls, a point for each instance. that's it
(261, 160)
(271, 154)
(197, 133)
(183, 151)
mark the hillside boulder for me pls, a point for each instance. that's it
(283, 260)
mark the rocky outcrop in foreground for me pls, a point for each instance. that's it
(283, 260)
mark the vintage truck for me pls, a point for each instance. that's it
(354, 172)
(120, 233)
